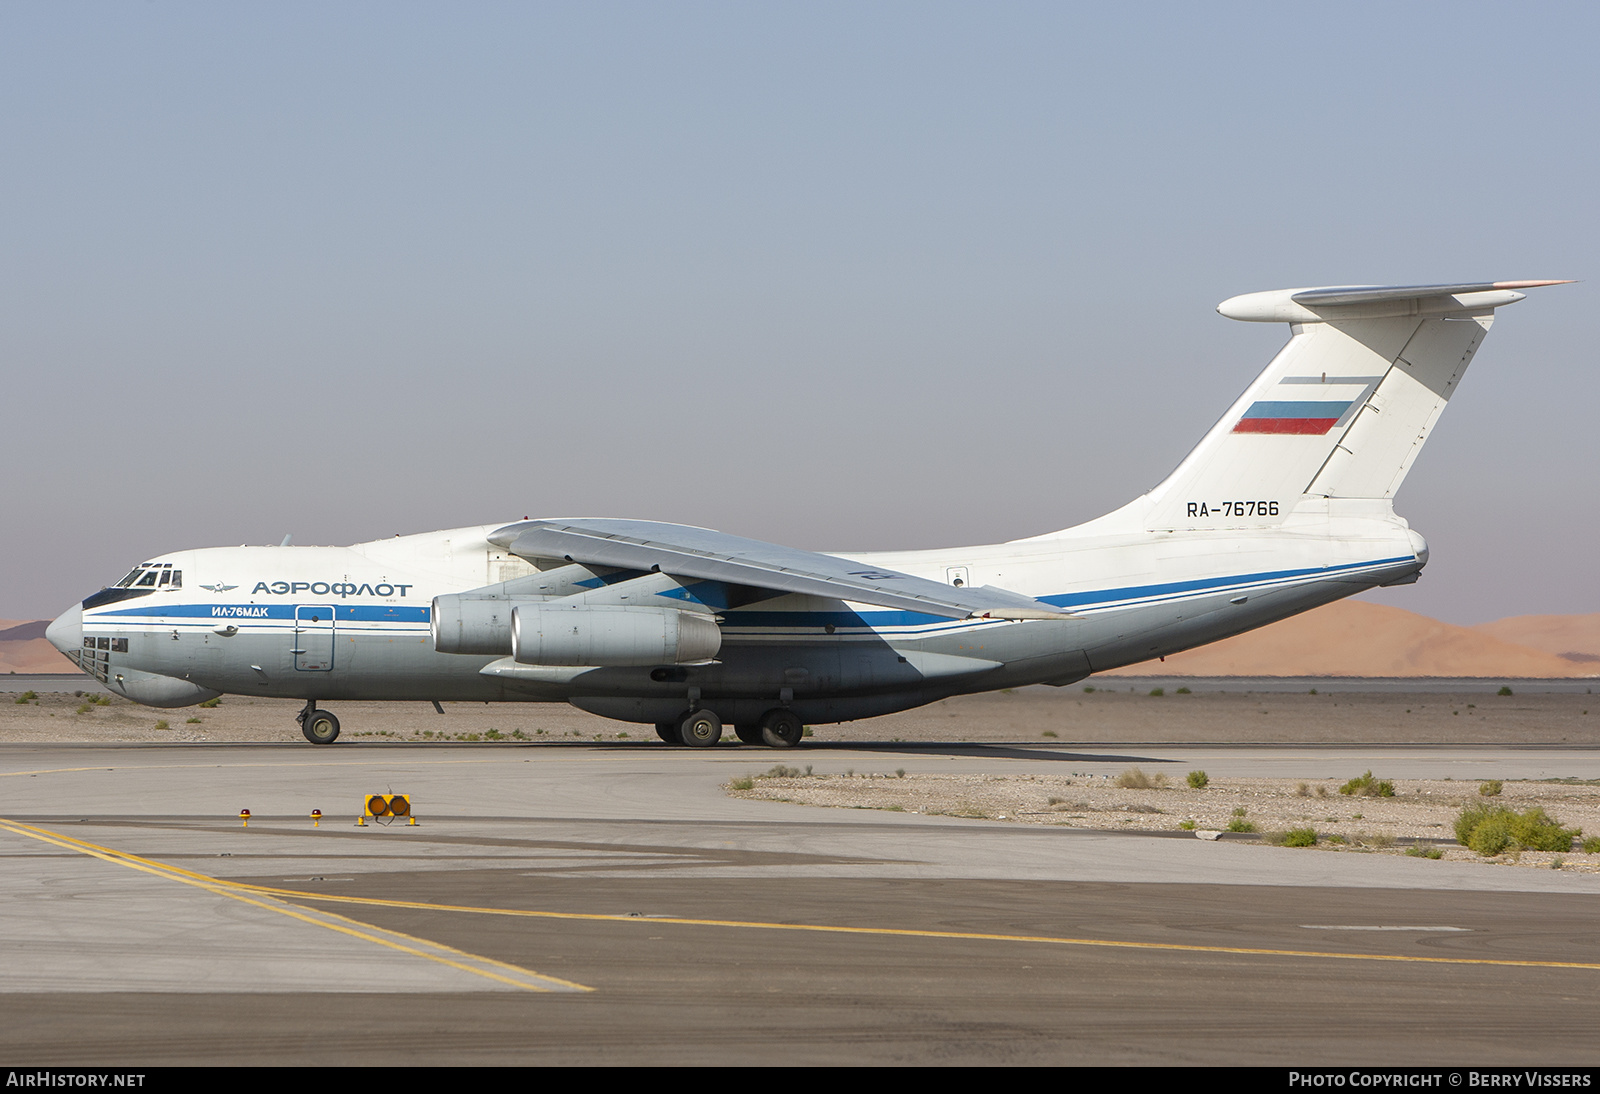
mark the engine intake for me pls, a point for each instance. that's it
(472, 624)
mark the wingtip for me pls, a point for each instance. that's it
(1530, 284)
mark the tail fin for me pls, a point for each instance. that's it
(1343, 409)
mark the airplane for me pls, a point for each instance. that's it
(1284, 505)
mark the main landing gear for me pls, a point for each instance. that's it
(696, 728)
(319, 726)
(778, 728)
(781, 728)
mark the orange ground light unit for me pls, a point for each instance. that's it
(387, 808)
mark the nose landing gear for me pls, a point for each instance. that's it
(319, 726)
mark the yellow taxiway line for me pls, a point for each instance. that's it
(235, 889)
(499, 971)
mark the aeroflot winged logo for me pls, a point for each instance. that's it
(1308, 405)
(329, 588)
(219, 588)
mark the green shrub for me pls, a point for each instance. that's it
(1490, 789)
(27, 697)
(85, 708)
(1471, 816)
(211, 704)
(1504, 691)
(1300, 837)
(747, 782)
(1538, 831)
(1158, 692)
(1416, 850)
(1492, 834)
(1185, 691)
(1187, 825)
(162, 724)
(1591, 845)
(1494, 829)
(1199, 780)
(1239, 824)
(1366, 786)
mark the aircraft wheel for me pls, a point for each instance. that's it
(668, 732)
(781, 728)
(322, 728)
(700, 729)
(750, 735)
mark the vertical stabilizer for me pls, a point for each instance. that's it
(1342, 410)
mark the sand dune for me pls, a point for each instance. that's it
(1350, 638)
(23, 648)
(1572, 637)
(1354, 638)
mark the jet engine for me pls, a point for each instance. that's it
(545, 634)
(472, 624)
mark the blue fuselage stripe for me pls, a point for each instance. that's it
(355, 613)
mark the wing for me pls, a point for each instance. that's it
(706, 555)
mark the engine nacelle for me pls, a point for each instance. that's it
(605, 635)
(472, 624)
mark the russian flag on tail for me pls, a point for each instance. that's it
(1303, 417)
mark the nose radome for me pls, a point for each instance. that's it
(66, 633)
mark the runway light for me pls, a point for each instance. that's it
(316, 818)
(244, 815)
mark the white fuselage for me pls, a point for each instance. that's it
(354, 622)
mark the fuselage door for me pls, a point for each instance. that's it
(313, 637)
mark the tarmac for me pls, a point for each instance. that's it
(609, 903)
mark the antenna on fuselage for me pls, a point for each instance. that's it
(286, 538)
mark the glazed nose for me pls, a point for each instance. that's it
(66, 633)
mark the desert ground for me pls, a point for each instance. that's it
(1106, 713)
(1101, 710)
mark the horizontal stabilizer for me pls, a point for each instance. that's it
(1359, 294)
(707, 555)
(1340, 303)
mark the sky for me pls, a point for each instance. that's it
(851, 276)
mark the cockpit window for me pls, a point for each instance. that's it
(150, 575)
